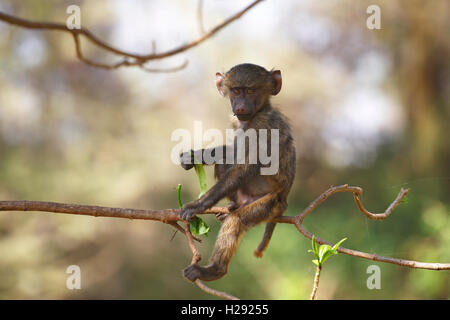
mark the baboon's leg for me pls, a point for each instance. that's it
(231, 232)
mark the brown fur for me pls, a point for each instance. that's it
(254, 198)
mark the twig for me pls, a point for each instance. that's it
(196, 257)
(173, 236)
(316, 283)
(126, 61)
(129, 58)
(381, 216)
(220, 294)
(166, 70)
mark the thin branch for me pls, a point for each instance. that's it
(126, 61)
(177, 227)
(381, 216)
(173, 236)
(316, 283)
(80, 56)
(298, 221)
(136, 59)
(196, 257)
(166, 216)
(166, 70)
(171, 217)
(220, 294)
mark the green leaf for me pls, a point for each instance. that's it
(314, 246)
(200, 171)
(315, 251)
(325, 251)
(404, 200)
(327, 255)
(322, 251)
(316, 262)
(180, 204)
(199, 227)
(336, 246)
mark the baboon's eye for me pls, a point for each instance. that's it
(236, 91)
(250, 91)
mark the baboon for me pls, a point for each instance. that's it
(254, 197)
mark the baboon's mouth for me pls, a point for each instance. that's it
(243, 117)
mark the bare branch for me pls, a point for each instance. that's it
(220, 294)
(196, 257)
(381, 216)
(129, 58)
(166, 70)
(167, 216)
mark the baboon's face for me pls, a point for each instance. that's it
(249, 87)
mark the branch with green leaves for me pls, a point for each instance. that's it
(321, 255)
(172, 218)
(198, 226)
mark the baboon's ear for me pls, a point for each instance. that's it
(219, 82)
(276, 76)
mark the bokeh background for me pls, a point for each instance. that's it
(368, 107)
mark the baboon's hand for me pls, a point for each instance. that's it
(189, 210)
(187, 160)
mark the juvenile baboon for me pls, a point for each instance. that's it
(254, 197)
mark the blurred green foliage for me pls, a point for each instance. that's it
(368, 107)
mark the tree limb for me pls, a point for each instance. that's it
(171, 217)
(129, 58)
